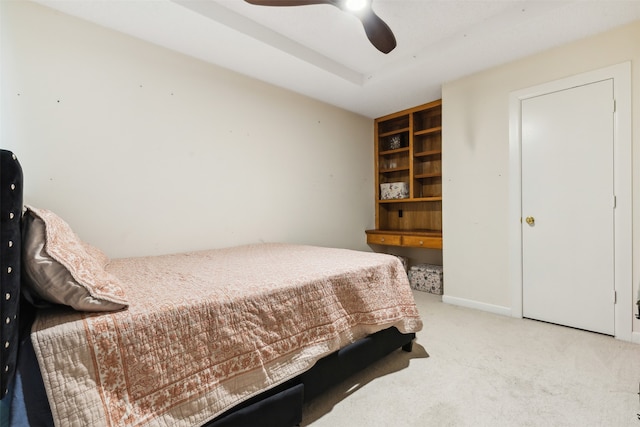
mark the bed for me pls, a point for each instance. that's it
(240, 336)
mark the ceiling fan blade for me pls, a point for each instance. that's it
(378, 32)
(288, 2)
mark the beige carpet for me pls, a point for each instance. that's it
(471, 368)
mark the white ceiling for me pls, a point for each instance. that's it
(322, 52)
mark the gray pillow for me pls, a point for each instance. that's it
(61, 269)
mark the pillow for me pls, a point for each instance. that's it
(61, 269)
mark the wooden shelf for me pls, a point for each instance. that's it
(394, 200)
(394, 170)
(395, 151)
(428, 131)
(415, 221)
(428, 199)
(416, 232)
(428, 153)
(394, 132)
(412, 200)
(428, 175)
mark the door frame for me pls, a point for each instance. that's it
(622, 176)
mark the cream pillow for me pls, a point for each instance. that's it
(61, 269)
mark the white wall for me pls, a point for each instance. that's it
(475, 161)
(146, 151)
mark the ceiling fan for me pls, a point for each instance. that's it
(378, 32)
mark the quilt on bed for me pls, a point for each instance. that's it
(207, 330)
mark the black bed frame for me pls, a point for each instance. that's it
(282, 406)
(278, 407)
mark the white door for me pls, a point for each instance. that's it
(567, 195)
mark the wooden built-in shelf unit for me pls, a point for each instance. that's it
(415, 221)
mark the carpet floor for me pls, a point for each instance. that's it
(473, 368)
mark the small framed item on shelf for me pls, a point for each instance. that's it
(394, 190)
(394, 142)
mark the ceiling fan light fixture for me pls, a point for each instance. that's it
(355, 5)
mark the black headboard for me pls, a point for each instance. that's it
(10, 249)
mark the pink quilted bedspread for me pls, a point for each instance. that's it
(207, 330)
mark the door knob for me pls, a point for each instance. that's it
(530, 220)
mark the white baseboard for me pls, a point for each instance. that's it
(497, 309)
(506, 311)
